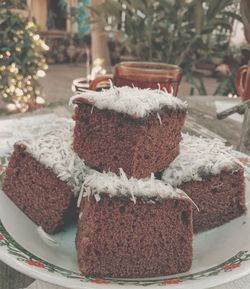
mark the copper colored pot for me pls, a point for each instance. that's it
(243, 81)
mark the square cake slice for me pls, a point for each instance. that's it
(138, 130)
(133, 228)
(211, 175)
(44, 177)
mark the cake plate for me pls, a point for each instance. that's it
(220, 255)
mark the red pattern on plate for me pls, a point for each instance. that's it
(35, 263)
(231, 266)
(174, 281)
(97, 281)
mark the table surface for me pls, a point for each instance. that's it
(201, 120)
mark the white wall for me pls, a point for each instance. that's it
(238, 36)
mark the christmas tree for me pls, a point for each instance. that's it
(22, 59)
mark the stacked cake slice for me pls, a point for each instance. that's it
(138, 130)
(133, 228)
(130, 224)
(212, 176)
(44, 178)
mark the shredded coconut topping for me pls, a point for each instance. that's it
(199, 157)
(53, 149)
(108, 183)
(131, 100)
(27, 127)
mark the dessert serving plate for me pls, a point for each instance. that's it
(220, 255)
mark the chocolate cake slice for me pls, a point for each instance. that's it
(44, 177)
(211, 175)
(133, 228)
(138, 130)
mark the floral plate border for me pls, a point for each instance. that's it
(22, 255)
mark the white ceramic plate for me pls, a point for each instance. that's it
(220, 255)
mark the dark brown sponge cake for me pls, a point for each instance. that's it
(36, 190)
(109, 141)
(142, 140)
(130, 236)
(212, 177)
(220, 199)
(43, 179)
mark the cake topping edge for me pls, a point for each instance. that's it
(200, 157)
(112, 185)
(132, 101)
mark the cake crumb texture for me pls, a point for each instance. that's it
(220, 199)
(38, 192)
(117, 238)
(107, 140)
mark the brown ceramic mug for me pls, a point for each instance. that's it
(143, 75)
(243, 81)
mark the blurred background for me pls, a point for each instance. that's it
(47, 44)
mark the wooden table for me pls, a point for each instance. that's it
(201, 120)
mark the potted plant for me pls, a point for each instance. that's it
(22, 59)
(182, 32)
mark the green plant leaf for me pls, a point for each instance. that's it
(233, 15)
(217, 5)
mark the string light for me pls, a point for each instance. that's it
(40, 73)
(36, 37)
(18, 85)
